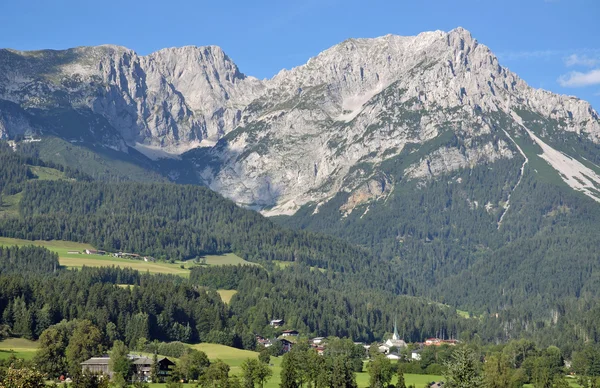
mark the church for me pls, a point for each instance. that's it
(395, 341)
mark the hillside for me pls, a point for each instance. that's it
(435, 170)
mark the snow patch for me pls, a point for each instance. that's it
(572, 171)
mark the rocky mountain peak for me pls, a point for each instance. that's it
(304, 135)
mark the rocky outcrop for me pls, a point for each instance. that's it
(175, 99)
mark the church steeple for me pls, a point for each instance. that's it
(395, 336)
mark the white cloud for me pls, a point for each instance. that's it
(581, 60)
(576, 79)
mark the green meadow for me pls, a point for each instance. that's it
(19, 347)
(78, 260)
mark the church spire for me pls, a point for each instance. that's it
(395, 336)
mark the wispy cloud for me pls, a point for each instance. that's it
(581, 60)
(576, 79)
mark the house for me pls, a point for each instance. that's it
(142, 366)
(320, 350)
(440, 342)
(264, 341)
(91, 252)
(392, 356)
(276, 322)
(415, 355)
(118, 254)
(290, 333)
(97, 365)
(317, 340)
(287, 345)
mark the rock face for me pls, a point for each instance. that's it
(174, 99)
(307, 133)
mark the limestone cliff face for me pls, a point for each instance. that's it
(174, 99)
(364, 101)
(304, 135)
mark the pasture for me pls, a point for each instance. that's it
(226, 295)
(78, 260)
(19, 347)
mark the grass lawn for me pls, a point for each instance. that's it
(20, 347)
(226, 295)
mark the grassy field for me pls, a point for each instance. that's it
(74, 260)
(235, 357)
(10, 205)
(226, 295)
(225, 259)
(48, 174)
(20, 347)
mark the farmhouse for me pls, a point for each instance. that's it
(142, 367)
(94, 252)
(287, 345)
(97, 365)
(290, 333)
(317, 340)
(276, 322)
(440, 342)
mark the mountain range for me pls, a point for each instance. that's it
(424, 149)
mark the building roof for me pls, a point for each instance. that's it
(142, 361)
(97, 361)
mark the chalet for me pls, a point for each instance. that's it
(264, 341)
(290, 333)
(142, 367)
(287, 345)
(276, 322)
(320, 350)
(317, 340)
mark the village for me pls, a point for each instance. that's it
(394, 348)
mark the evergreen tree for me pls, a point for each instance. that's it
(120, 363)
(463, 371)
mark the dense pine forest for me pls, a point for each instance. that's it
(328, 287)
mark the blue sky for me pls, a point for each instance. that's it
(552, 44)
